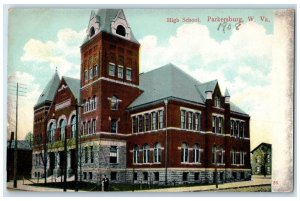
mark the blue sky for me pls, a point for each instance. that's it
(42, 39)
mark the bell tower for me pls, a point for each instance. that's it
(109, 72)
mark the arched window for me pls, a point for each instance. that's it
(51, 132)
(196, 153)
(136, 154)
(62, 125)
(157, 153)
(221, 155)
(73, 126)
(214, 154)
(121, 30)
(217, 101)
(92, 31)
(146, 153)
(94, 102)
(184, 153)
(114, 103)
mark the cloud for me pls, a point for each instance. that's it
(241, 63)
(29, 91)
(62, 53)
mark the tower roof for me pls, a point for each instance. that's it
(105, 18)
(170, 81)
(49, 91)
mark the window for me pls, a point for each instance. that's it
(184, 153)
(86, 75)
(147, 122)
(120, 72)
(217, 124)
(91, 103)
(258, 159)
(62, 124)
(220, 125)
(221, 155)
(232, 127)
(145, 176)
(153, 121)
(135, 175)
(258, 169)
(121, 30)
(183, 119)
(92, 31)
(268, 158)
(217, 101)
(83, 128)
(235, 128)
(92, 154)
(156, 176)
(157, 153)
(114, 126)
(196, 176)
(90, 175)
(242, 158)
(160, 119)
(51, 133)
(134, 124)
(87, 103)
(86, 154)
(197, 122)
(73, 126)
(185, 176)
(214, 124)
(114, 103)
(94, 126)
(214, 154)
(113, 155)
(233, 157)
(111, 70)
(95, 102)
(113, 176)
(146, 153)
(190, 121)
(196, 153)
(128, 74)
(241, 129)
(136, 154)
(91, 73)
(84, 175)
(96, 70)
(88, 127)
(140, 122)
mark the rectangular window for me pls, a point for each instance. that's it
(86, 75)
(83, 128)
(96, 71)
(135, 175)
(220, 125)
(92, 154)
(84, 175)
(214, 124)
(90, 175)
(153, 121)
(91, 73)
(147, 122)
(196, 176)
(111, 70)
(113, 155)
(120, 72)
(145, 176)
(89, 127)
(156, 176)
(114, 126)
(113, 176)
(185, 176)
(160, 119)
(86, 154)
(190, 122)
(197, 122)
(94, 126)
(258, 169)
(241, 130)
(183, 119)
(140, 121)
(134, 124)
(128, 74)
(231, 127)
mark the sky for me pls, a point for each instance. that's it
(239, 56)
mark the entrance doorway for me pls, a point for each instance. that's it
(52, 162)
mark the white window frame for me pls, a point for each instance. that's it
(111, 69)
(129, 78)
(120, 72)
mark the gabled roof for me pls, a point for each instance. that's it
(22, 145)
(49, 91)
(170, 81)
(262, 144)
(74, 85)
(105, 17)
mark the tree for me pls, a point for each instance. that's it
(261, 160)
(29, 138)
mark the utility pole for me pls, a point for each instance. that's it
(166, 141)
(65, 159)
(16, 142)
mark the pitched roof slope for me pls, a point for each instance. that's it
(170, 81)
(74, 85)
(49, 91)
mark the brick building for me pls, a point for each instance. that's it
(159, 127)
(261, 160)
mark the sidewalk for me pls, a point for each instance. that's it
(256, 181)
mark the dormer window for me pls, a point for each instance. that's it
(92, 32)
(121, 30)
(217, 101)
